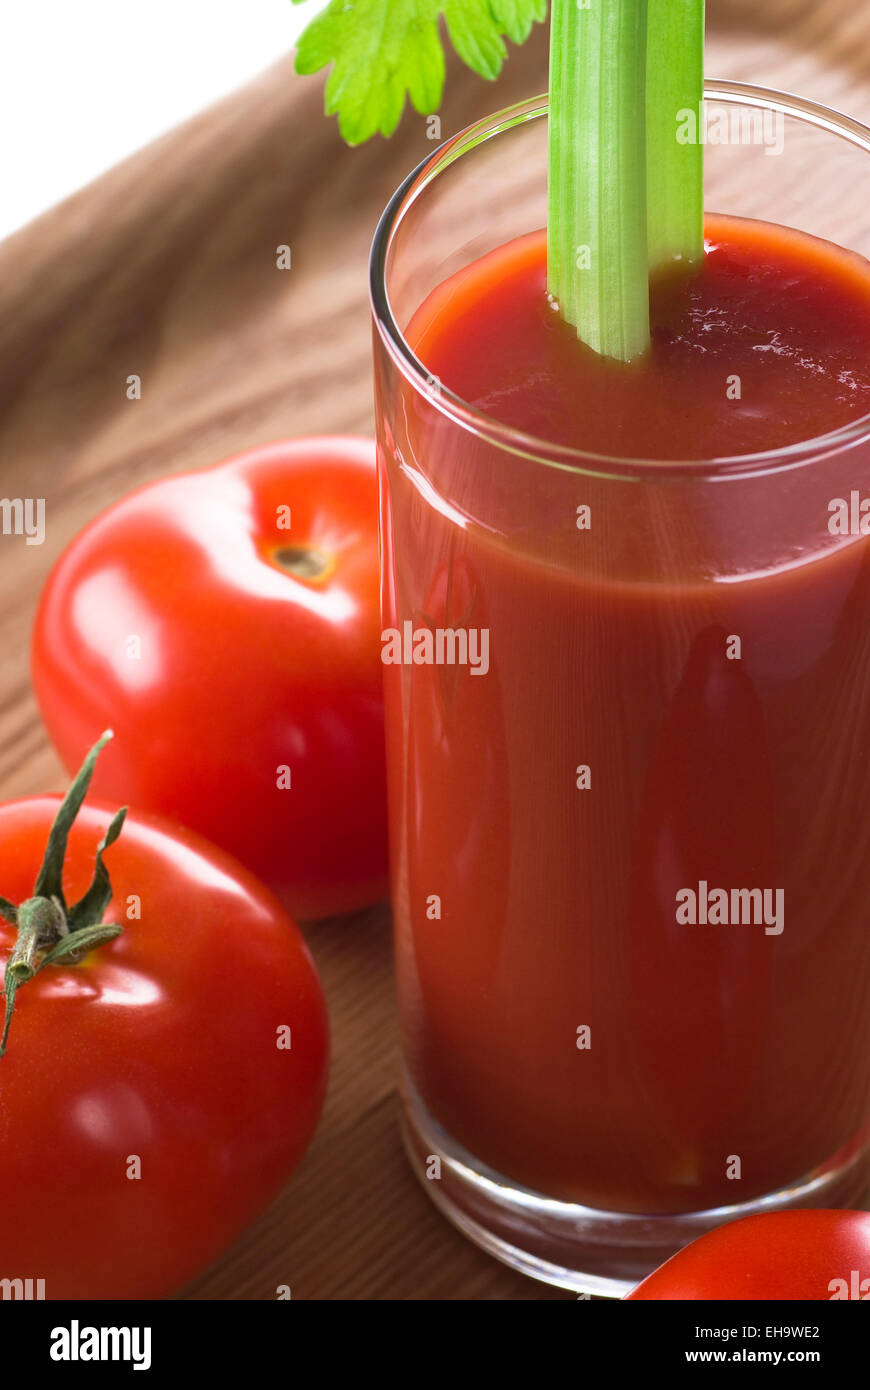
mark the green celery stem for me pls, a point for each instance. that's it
(626, 187)
(597, 216)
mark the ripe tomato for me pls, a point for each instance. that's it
(161, 1046)
(233, 654)
(788, 1254)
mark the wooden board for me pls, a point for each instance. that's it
(166, 268)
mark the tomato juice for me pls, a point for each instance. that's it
(677, 702)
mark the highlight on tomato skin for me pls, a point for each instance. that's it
(790, 1255)
(226, 624)
(158, 1093)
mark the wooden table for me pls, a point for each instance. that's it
(166, 268)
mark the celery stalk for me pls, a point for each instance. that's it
(597, 256)
(675, 166)
(624, 194)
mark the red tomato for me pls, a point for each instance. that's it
(233, 656)
(789, 1254)
(161, 1045)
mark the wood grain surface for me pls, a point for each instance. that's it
(166, 268)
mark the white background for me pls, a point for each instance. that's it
(83, 83)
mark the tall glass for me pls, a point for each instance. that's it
(590, 1083)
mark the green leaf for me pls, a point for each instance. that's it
(516, 17)
(92, 906)
(43, 922)
(86, 939)
(384, 51)
(49, 884)
(476, 36)
(379, 50)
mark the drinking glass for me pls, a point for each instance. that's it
(588, 1083)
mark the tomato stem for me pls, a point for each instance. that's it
(47, 930)
(303, 561)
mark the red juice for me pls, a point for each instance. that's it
(547, 812)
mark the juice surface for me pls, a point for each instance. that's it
(556, 904)
(778, 316)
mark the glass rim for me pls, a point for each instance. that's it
(532, 447)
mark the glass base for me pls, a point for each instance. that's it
(604, 1253)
